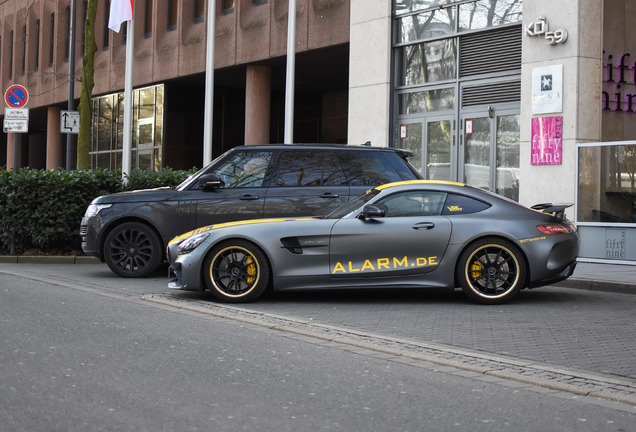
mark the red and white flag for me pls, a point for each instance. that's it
(120, 11)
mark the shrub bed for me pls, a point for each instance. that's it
(41, 210)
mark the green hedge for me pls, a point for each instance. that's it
(42, 209)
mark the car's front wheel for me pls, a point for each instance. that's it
(132, 249)
(491, 271)
(236, 271)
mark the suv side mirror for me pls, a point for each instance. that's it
(370, 211)
(210, 182)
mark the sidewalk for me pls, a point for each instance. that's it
(616, 278)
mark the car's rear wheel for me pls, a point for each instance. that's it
(491, 271)
(132, 249)
(236, 271)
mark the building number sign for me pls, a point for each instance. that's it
(540, 28)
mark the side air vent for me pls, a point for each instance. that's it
(492, 51)
(491, 93)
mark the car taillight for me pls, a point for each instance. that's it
(554, 229)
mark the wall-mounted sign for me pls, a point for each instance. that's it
(547, 89)
(547, 140)
(403, 134)
(469, 127)
(540, 28)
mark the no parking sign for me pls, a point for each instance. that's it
(16, 96)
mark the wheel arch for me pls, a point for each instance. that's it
(116, 222)
(496, 236)
(229, 239)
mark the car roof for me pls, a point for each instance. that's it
(319, 146)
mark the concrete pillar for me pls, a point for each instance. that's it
(54, 141)
(370, 72)
(581, 59)
(257, 104)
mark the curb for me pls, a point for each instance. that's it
(598, 285)
(73, 259)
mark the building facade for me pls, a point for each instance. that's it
(532, 99)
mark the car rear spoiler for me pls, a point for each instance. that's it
(556, 210)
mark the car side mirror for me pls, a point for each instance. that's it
(210, 182)
(370, 211)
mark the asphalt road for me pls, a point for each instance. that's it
(85, 350)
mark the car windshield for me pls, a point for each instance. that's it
(352, 205)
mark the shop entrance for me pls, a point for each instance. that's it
(481, 149)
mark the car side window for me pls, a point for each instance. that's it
(308, 168)
(244, 169)
(369, 168)
(460, 204)
(415, 203)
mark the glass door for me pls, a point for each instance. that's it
(432, 141)
(490, 150)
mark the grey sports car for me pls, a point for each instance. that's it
(411, 234)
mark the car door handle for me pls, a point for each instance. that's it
(329, 195)
(249, 197)
(424, 225)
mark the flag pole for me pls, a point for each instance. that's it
(290, 78)
(126, 160)
(208, 113)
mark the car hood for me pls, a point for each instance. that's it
(142, 195)
(234, 224)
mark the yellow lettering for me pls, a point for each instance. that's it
(398, 263)
(383, 263)
(454, 208)
(367, 266)
(432, 260)
(339, 268)
(351, 269)
(421, 262)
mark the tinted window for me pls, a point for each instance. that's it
(309, 168)
(460, 204)
(373, 168)
(414, 203)
(244, 169)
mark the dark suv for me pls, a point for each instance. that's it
(129, 230)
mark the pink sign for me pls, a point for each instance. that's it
(547, 140)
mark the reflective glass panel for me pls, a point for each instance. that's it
(508, 156)
(427, 101)
(413, 142)
(438, 138)
(428, 62)
(487, 13)
(426, 25)
(477, 153)
(607, 184)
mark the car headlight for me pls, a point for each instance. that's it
(93, 209)
(191, 243)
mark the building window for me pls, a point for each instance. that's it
(173, 6)
(148, 19)
(106, 42)
(67, 34)
(37, 45)
(52, 40)
(227, 6)
(199, 9)
(107, 130)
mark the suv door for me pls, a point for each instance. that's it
(306, 183)
(241, 196)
